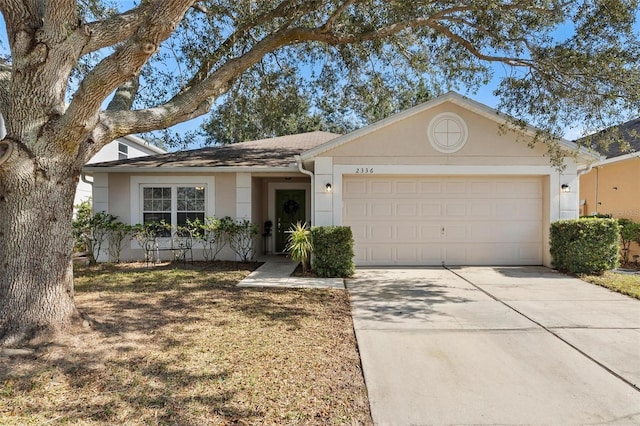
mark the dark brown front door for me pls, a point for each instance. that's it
(290, 208)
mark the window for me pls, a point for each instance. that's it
(190, 204)
(174, 199)
(173, 204)
(157, 205)
(123, 151)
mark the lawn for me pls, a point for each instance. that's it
(187, 347)
(622, 283)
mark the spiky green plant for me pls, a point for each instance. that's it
(299, 244)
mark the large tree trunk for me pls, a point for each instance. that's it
(36, 269)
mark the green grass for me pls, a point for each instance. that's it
(186, 346)
(622, 283)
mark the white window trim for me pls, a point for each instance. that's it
(138, 182)
(433, 137)
(124, 152)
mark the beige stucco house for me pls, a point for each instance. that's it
(441, 183)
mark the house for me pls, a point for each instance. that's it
(440, 183)
(119, 149)
(611, 186)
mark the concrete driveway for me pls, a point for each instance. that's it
(512, 345)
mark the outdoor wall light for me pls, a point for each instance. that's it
(565, 188)
(327, 187)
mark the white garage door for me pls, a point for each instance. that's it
(419, 220)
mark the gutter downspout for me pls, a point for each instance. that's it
(313, 187)
(584, 172)
(83, 177)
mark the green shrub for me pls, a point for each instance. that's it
(629, 232)
(333, 248)
(211, 233)
(241, 235)
(299, 244)
(91, 231)
(585, 246)
(117, 233)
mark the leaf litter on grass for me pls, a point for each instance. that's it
(185, 346)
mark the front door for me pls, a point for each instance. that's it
(290, 208)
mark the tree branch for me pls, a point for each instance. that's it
(83, 112)
(198, 99)
(5, 80)
(117, 29)
(282, 10)
(125, 95)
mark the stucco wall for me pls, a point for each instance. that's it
(406, 142)
(613, 189)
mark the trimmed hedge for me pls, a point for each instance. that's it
(585, 246)
(333, 251)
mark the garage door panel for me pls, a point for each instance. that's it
(407, 232)
(456, 209)
(407, 254)
(407, 210)
(381, 254)
(382, 232)
(356, 209)
(531, 253)
(419, 220)
(481, 209)
(480, 188)
(406, 187)
(430, 255)
(360, 231)
(382, 209)
(361, 252)
(479, 232)
(515, 232)
(430, 233)
(506, 209)
(430, 188)
(456, 187)
(531, 189)
(530, 210)
(431, 209)
(456, 233)
(454, 254)
(355, 187)
(381, 187)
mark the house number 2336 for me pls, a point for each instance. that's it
(364, 170)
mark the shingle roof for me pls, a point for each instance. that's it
(629, 131)
(273, 152)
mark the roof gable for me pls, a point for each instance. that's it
(452, 97)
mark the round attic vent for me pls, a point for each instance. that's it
(447, 132)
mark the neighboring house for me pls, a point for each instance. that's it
(612, 186)
(440, 183)
(119, 149)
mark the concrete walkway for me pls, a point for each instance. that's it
(495, 346)
(276, 272)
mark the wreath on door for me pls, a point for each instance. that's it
(291, 207)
